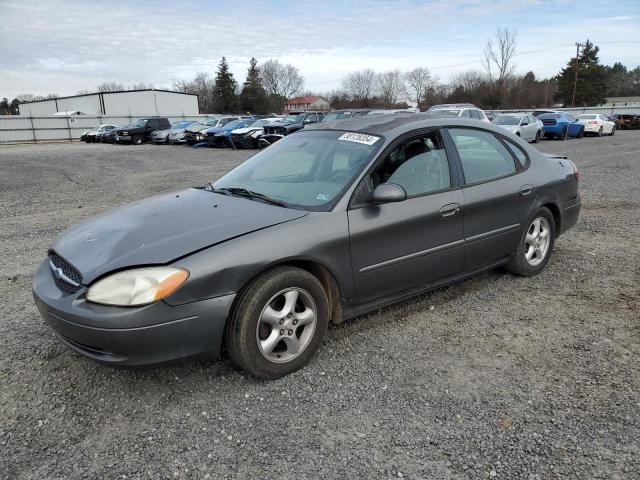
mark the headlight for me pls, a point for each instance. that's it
(138, 286)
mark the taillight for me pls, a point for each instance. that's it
(576, 173)
(593, 123)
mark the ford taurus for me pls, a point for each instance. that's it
(324, 225)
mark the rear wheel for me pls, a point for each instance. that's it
(600, 132)
(537, 137)
(563, 134)
(581, 133)
(535, 246)
(613, 130)
(278, 323)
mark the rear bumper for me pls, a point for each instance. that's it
(570, 214)
(136, 336)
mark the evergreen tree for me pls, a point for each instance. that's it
(592, 79)
(253, 98)
(224, 92)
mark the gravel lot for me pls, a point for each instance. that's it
(496, 377)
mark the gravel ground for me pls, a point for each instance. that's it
(496, 377)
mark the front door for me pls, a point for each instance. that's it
(398, 247)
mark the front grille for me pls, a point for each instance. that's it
(68, 270)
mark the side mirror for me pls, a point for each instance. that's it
(388, 193)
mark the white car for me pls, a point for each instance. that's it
(525, 126)
(247, 137)
(596, 124)
(92, 135)
(462, 110)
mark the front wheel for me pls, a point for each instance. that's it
(535, 246)
(278, 323)
(136, 139)
(613, 130)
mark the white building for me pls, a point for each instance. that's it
(622, 102)
(131, 102)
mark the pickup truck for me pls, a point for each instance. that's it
(289, 124)
(140, 130)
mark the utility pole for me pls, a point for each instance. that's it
(575, 73)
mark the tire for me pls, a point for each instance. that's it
(563, 134)
(581, 133)
(136, 139)
(600, 132)
(252, 338)
(613, 131)
(531, 256)
(537, 137)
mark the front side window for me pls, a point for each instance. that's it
(482, 155)
(308, 170)
(418, 165)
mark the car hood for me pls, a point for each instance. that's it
(283, 124)
(241, 131)
(164, 228)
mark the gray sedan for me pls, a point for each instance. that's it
(330, 222)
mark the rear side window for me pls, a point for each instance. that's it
(482, 155)
(521, 157)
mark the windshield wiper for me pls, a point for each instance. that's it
(243, 192)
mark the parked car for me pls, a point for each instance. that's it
(561, 125)
(91, 136)
(462, 110)
(323, 226)
(140, 130)
(109, 136)
(193, 133)
(289, 124)
(219, 136)
(537, 113)
(177, 131)
(626, 121)
(346, 113)
(596, 124)
(160, 136)
(247, 137)
(385, 111)
(523, 125)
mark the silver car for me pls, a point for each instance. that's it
(523, 125)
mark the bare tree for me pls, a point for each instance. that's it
(141, 86)
(417, 82)
(203, 86)
(281, 80)
(360, 86)
(110, 87)
(391, 87)
(498, 55)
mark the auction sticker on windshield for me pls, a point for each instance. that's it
(359, 138)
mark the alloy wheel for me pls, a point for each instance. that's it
(537, 240)
(286, 325)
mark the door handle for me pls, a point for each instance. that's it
(450, 210)
(526, 190)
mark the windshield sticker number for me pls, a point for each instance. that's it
(359, 138)
(323, 196)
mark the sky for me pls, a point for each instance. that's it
(64, 46)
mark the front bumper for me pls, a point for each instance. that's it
(133, 336)
(243, 141)
(269, 138)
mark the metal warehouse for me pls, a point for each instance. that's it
(131, 103)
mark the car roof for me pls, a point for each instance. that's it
(399, 123)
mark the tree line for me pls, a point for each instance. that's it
(269, 85)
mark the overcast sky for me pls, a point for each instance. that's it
(62, 46)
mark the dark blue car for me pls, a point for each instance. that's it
(219, 136)
(561, 125)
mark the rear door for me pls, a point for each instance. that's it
(399, 247)
(498, 195)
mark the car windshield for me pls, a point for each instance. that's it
(235, 124)
(292, 118)
(212, 122)
(260, 123)
(586, 117)
(138, 123)
(336, 116)
(308, 170)
(506, 120)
